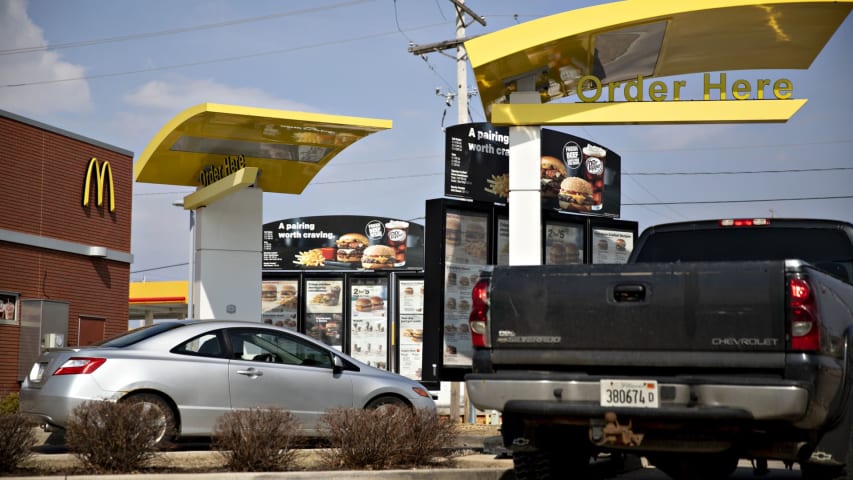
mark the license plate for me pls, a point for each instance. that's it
(629, 393)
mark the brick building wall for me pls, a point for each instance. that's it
(42, 179)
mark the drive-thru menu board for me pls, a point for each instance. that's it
(611, 246)
(279, 302)
(324, 311)
(411, 315)
(369, 321)
(465, 253)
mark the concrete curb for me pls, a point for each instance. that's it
(442, 474)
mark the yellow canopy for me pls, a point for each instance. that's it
(653, 38)
(288, 148)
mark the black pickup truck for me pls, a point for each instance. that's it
(718, 341)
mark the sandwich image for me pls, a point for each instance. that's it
(377, 257)
(620, 244)
(563, 254)
(363, 304)
(452, 230)
(269, 292)
(552, 173)
(475, 233)
(575, 194)
(377, 303)
(351, 247)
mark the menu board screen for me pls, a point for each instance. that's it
(611, 246)
(503, 241)
(411, 315)
(324, 311)
(369, 321)
(465, 253)
(564, 243)
(279, 302)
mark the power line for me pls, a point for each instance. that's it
(160, 268)
(174, 31)
(742, 172)
(216, 60)
(755, 200)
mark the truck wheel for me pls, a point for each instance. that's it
(549, 464)
(831, 472)
(696, 467)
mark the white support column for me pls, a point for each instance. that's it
(227, 258)
(525, 196)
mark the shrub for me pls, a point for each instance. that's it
(257, 440)
(9, 403)
(383, 438)
(110, 436)
(16, 440)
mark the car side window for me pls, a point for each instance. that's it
(206, 345)
(276, 347)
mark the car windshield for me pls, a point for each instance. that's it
(138, 334)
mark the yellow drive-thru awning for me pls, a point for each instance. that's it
(650, 38)
(158, 300)
(208, 142)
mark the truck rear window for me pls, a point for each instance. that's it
(828, 249)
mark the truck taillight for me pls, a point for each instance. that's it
(79, 365)
(744, 222)
(478, 320)
(803, 316)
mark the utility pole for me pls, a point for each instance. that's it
(462, 114)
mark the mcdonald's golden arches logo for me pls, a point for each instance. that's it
(102, 172)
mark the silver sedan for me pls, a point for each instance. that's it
(195, 371)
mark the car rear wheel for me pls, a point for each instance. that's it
(163, 414)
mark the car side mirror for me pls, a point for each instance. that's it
(338, 364)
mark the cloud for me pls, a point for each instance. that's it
(178, 93)
(19, 72)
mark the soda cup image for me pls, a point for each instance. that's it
(593, 169)
(398, 234)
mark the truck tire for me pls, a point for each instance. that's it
(697, 466)
(548, 464)
(831, 472)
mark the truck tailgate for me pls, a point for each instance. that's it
(712, 307)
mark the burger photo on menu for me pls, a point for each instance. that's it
(363, 304)
(377, 257)
(563, 254)
(351, 247)
(553, 172)
(452, 230)
(269, 292)
(287, 296)
(377, 303)
(575, 194)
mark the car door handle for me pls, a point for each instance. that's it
(251, 372)
(629, 293)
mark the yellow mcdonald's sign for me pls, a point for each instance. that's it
(101, 174)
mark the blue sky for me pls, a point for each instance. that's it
(135, 65)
